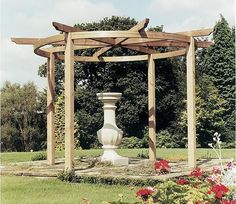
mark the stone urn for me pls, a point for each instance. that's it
(110, 135)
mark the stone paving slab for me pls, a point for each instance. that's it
(138, 168)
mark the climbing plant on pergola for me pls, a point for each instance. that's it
(62, 47)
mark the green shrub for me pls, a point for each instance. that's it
(143, 155)
(228, 145)
(39, 156)
(167, 140)
(107, 180)
(131, 142)
(68, 176)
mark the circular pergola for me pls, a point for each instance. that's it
(62, 47)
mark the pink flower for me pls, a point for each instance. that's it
(162, 166)
(197, 172)
(182, 181)
(214, 179)
(228, 202)
(219, 190)
(144, 193)
(230, 165)
(216, 170)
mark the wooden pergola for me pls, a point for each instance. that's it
(62, 47)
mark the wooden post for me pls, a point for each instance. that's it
(191, 105)
(151, 108)
(69, 103)
(51, 110)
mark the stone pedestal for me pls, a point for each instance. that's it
(110, 135)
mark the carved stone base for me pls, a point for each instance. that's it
(110, 155)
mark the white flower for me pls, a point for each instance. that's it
(210, 145)
(216, 134)
(214, 138)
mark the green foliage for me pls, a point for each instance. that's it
(219, 65)
(39, 156)
(68, 176)
(131, 142)
(170, 192)
(210, 110)
(167, 140)
(60, 124)
(143, 155)
(107, 180)
(23, 118)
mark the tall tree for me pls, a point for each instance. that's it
(219, 65)
(23, 124)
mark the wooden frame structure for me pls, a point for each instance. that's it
(62, 47)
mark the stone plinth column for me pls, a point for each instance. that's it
(110, 135)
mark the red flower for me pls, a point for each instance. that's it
(219, 190)
(162, 166)
(144, 193)
(182, 181)
(197, 172)
(228, 202)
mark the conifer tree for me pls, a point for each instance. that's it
(219, 65)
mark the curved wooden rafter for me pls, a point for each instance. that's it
(135, 39)
(139, 27)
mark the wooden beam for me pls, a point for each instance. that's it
(69, 103)
(126, 58)
(139, 27)
(62, 48)
(47, 41)
(106, 59)
(169, 54)
(197, 33)
(129, 34)
(51, 110)
(141, 49)
(191, 105)
(203, 44)
(151, 108)
(65, 28)
(25, 41)
(162, 43)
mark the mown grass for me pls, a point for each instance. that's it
(169, 154)
(28, 190)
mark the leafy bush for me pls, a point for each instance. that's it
(39, 156)
(143, 155)
(131, 142)
(68, 176)
(107, 180)
(167, 140)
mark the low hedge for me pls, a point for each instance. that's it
(70, 176)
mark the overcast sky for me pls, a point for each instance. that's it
(31, 18)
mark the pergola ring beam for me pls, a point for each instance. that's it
(137, 39)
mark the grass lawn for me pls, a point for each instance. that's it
(28, 190)
(169, 154)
